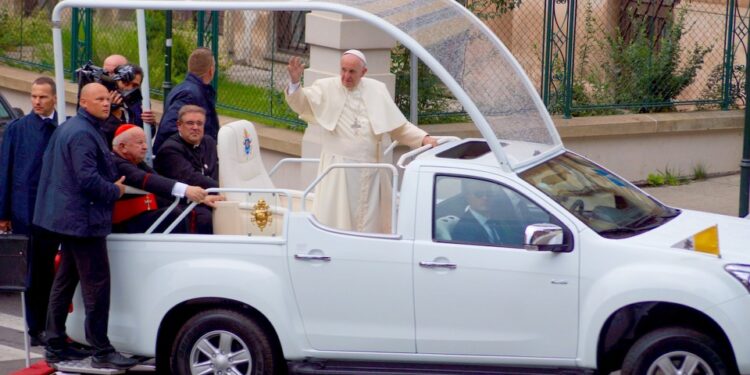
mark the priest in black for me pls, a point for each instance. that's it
(190, 157)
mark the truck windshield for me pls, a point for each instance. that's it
(607, 204)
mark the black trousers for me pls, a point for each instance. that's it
(84, 259)
(43, 246)
(201, 220)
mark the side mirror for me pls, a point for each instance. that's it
(18, 112)
(545, 237)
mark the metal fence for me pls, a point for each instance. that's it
(585, 56)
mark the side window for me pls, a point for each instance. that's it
(475, 211)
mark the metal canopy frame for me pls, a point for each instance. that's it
(400, 35)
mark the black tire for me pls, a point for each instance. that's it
(676, 347)
(252, 349)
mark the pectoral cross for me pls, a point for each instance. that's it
(356, 126)
(148, 203)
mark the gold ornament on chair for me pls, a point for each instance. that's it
(262, 215)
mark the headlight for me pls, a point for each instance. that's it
(740, 272)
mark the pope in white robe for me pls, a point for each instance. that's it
(356, 113)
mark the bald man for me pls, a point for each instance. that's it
(79, 188)
(123, 113)
(137, 213)
(113, 61)
(356, 115)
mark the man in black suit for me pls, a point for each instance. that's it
(79, 186)
(489, 217)
(476, 225)
(135, 214)
(191, 157)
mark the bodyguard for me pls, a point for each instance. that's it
(20, 165)
(79, 187)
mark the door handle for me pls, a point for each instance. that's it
(450, 266)
(312, 257)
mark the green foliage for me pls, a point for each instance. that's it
(18, 31)
(668, 176)
(699, 172)
(715, 86)
(433, 96)
(266, 103)
(671, 176)
(647, 70)
(655, 179)
(489, 9)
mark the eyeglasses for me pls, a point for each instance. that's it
(192, 123)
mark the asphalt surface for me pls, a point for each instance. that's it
(12, 354)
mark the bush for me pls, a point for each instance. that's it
(433, 96)
(715, 86)
(646, 69)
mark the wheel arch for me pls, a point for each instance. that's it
(178, 315)
(626, 325)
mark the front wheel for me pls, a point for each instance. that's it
(222, 342)
(674, 351)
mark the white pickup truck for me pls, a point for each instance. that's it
(507, 253)
(588, 273)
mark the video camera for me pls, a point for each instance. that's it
(126, 73)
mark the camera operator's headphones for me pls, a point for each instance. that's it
(124, 73)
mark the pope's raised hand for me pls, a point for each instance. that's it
(295, 68)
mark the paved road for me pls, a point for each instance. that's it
(11, 334)
(12, 355)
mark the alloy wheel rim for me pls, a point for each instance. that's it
(220, 353)
(679, 363)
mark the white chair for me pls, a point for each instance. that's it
(241, 166)
(240, 162)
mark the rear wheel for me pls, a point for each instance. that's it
(674, 350)
(222, 342)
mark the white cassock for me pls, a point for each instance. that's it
(354, 123)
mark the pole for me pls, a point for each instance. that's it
(726, 96)
(167, 85)
(549, 16)
(145, 85)
(745, 162)
(74, 28)
(413, 88)
(569, 58)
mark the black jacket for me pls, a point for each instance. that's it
(191, 91)
(193, 165)
(76, 189)
(143, 177)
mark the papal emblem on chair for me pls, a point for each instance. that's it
(261, 214)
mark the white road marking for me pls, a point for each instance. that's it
(11, 354)
(12, 322)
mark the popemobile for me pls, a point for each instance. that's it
(570, 269)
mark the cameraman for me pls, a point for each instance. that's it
(123, 82)
(126, 100)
